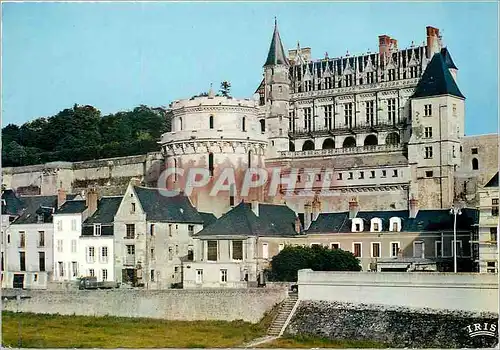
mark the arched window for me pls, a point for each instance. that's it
(392, 139)
(180, 123)
(211, 163)
(371, 140)
(262, 125)
(291, 146)
(249, 159)
(349, 142)
(475, 164)
(308, 146)
(211, 122)
(328, 144)
(243, 126)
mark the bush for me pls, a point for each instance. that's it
(285, 265)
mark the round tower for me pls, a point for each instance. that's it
(214, 133)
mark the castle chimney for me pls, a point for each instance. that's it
(91, 200)
(316, 208)
(413, 208)
(433, 41)
(298, 225)
(61, 197)
(307, 215)
(255, 207)
(353, 208)
(384, 43)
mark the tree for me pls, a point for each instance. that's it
(225, 88)
(285, 265)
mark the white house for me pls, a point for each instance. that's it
(68, 220)
(96, 243)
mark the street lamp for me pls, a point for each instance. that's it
(455, 210)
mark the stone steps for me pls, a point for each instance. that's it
(283, 313)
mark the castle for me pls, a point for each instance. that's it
(388, 124)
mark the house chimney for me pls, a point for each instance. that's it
(353, 208)
(255, 207)
(91, 200)
(298, 225)
(316, 208)
(413, 208)
(61, 197)
(307, 215)
(433, 41)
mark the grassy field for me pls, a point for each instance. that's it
(42, 331)
(313, 342)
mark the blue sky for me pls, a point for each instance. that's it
(116, 56)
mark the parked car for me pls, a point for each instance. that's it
(91, 283)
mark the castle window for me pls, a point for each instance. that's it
(428, 132)
(413, 71)
(475, 164)
(474, 150)
(339, 177)
(395, 173)
(428, 152)
(175, 170)
(211, 163)
(453, 151)
(372, 174)
(370, 78)
(349, 142)
(348, 114)
(328, 83)
(262, 125)
(328, 116)
(350, 176)
(180, 123)
(211, 122)
(348, 80)
(369, 112)
(392, 74)
(454, 110)
(384, 173)
(291, 117)
(243, 126)
(391, 110)
(308, 85)
(427, 110)
(249, 159)
(308, 146)
(361, 174)
(429, 173)
(307, 118)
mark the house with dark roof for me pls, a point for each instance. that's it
(96, 244)
(487, 238)
(153, 234)
(27, 243)
(234, 250)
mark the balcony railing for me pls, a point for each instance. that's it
(342, 151)
(343, 129)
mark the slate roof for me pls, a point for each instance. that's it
(426, 220)
(493, 181)
(273, 220)
(437, 79)
(208, 218)
(176, 209)
(447, 58)
(72, 207)
(104, 215)
(276, 53)
(13, 204)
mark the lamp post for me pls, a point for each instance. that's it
(455, 210)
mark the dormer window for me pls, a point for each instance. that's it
(395, 224)
(357, 225)
(97, 229)
(39, 219)
(376, 225)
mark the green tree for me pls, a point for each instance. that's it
(285, 265)
(225, 88)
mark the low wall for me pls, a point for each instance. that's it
(434, 290)
(394, 327)
(186, 305)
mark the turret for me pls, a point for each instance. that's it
(277, 94)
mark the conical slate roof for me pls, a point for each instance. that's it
(437, 79)
(276, 53)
